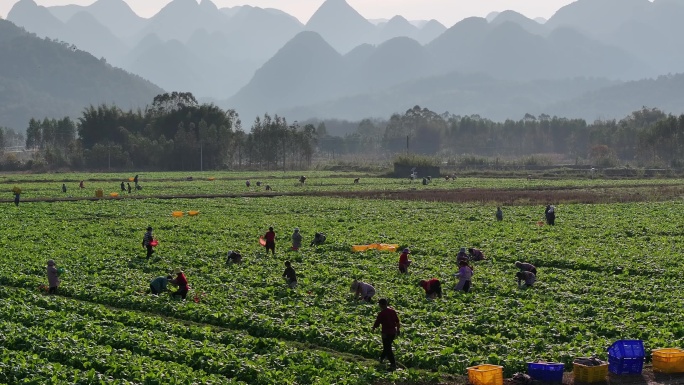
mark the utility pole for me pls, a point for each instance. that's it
(407, 144)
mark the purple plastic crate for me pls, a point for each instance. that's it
(627, 349)
(546, 372)
(625, 365)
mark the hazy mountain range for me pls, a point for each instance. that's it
(341, 65)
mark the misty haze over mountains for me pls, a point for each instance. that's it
(341, 65)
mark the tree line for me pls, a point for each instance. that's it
(175, 132)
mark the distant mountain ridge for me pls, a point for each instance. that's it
(258, 60)
(41, 78)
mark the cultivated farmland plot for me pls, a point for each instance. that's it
(606, 272)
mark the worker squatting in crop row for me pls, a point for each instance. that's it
(387, 319)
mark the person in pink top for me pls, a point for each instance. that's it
(465, 273)
(404, 261)
(270, 237)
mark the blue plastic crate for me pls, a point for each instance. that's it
(627, 349)
(625, 365)
(546, 372)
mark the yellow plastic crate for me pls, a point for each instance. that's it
(668, 360)
(583, 373)
(485, 375)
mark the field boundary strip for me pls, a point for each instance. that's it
(509, 196)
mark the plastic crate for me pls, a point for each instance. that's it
(668, 360)
(627, 349)
(625, 365)
(583, 373)
(485, 375)
(546, 371)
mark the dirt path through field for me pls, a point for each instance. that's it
(609, 194)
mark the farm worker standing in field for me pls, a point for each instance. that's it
(432, 287)
(53, 277)
(159, 284)
(129, 187)
(296, 239)
(270, 237)
(404, 261)
(499, 214)
(550, 214)
(476, 255)
(290, 275)
(123, 187)
(247, 183)
(17, 198)
(465, 274)
(234, 257)
(526, 267)
(390, 325)
(182, 282)
(135, 179)
(81, 185)
(362, 290)
(526, 276)
(147, 242)
(319, 239)
(64, 189)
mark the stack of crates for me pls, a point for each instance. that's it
(546, 371)
(626, 357)
(668, 360)
(485, 375)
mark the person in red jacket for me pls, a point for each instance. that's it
(182, 282)
(404, 262)
(270, 237)
(389, 320)
(432, 287)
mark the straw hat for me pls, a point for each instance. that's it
(177, 270)
(51, 262)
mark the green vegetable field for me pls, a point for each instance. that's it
(606, 272)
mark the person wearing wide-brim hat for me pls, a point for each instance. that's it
(182, 282)
(296, 239)
(404, 261)
(53, 277)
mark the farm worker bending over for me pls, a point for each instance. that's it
(362, 290)
(432, 287)
(390, 325)
(290, 275)
(476, 255)
(526, 276)
(526, 267)
(53, 277)
(550, 214)
(159, 284)
(181, 282)
(319, 239)
(296, 239)
(404, 262)
(499, 214)
(147, 242)
(465, 273)
(270, 237)
(462, 256)
(234, 257)
(247, 183)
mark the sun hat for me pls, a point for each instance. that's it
(296, 229)
(407, 251)
(51, 262)
(177, 270)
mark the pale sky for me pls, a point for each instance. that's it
(448, 12)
